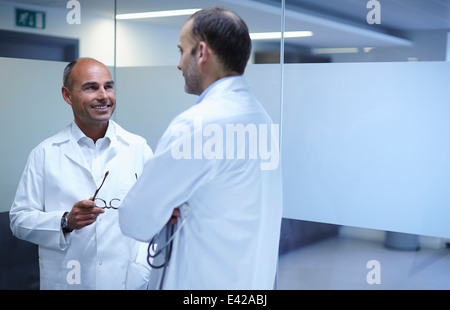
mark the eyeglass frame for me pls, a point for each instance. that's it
(94, 198)
(106, 205)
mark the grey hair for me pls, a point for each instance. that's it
(67, 75)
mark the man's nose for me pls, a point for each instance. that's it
(101, 94)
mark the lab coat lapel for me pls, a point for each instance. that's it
(73, 152)
(112, 159)
(70, 148)
(114, 147)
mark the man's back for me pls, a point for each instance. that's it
(230, 237)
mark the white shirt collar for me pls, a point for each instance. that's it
(78, 134)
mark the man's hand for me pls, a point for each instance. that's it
(83, 213)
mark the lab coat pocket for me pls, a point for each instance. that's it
(52, 276)
(138, 274)
(138, 277)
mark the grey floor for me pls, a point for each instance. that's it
(340, 263)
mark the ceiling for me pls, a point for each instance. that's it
(335, 23)
(397, 15)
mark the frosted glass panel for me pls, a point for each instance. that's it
(31, 110)
(148, 98)
(368, 145)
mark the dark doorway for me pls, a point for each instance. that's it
(33, 46)
(19, 262)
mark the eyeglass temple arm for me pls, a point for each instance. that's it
(98, 189)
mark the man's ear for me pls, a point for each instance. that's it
(66, 95)
(203, 52)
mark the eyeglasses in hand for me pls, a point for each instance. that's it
(106, 206)
(99, 200)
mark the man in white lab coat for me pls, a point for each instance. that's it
(213, 160)
(80, 242)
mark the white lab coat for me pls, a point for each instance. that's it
(56, 176)
(231, 234)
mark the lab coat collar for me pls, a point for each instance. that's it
(68, 144)
(68, 139)
(230, 83)
(120, 135)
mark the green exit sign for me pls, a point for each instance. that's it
(30, 19)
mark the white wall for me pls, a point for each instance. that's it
(138, 44)
(144, 44)
(96, 34)
(427, 45)
(141, 45)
